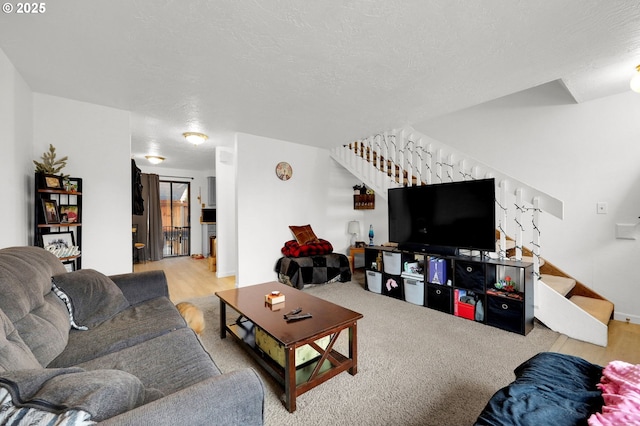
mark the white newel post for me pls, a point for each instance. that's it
(409, 158)
(438, 168)
(420, 160)
(385, 152)
(369, 161)
(502, 222)
(429, 164)
(518, 218)
(393, 156)
(536, 237)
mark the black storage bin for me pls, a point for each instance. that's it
(470, 276)
(505, 313)
(439, 298)
(388, 289)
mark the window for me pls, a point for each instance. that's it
(176, 222)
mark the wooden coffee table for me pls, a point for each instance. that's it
(328, 319)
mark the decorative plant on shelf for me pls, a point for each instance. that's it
(507, 285)
(49, 164)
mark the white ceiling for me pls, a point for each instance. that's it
(320, 73)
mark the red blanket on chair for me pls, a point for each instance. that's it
(293, 249)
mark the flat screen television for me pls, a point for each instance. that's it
(435, 218)
(208, 216)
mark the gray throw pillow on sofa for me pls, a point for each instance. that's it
(94, 297)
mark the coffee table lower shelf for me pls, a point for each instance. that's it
(307, 375)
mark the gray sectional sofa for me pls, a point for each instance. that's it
(80, 347)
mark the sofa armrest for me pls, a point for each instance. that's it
(140, 286)
(234, 398)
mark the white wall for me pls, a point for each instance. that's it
(580, 153)
(16, 154)
(97, 141)
(227, 256)
(341, 184)
(199, 187)
(266, 206)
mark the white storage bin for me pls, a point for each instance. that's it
(374, 281)
(414, 291)
(392, 262)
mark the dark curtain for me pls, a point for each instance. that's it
(156, 239)
(137, 202)
(150, 221)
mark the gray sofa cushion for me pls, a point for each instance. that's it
(94, 297)
(14, 353)
(129, 327)
(179, 361)
(38, 315)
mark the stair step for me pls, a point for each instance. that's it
(598, 308)
(562, 285)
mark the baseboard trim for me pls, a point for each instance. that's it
(621, 316)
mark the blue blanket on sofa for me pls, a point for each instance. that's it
(550, 389)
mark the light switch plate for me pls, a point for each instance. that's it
(625, 231)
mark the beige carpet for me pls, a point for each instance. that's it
(416, 366)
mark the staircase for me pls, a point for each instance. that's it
(570, 307)
(406, 158)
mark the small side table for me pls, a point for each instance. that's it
(352, 252)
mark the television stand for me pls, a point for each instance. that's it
(496, 292)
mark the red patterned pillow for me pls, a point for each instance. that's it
(304, 234)
(293, 249)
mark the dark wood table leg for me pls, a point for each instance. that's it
(223, 319)
(290, 380)
(353, 348)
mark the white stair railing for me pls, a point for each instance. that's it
(381, 161)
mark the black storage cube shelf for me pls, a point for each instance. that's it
(475, 277)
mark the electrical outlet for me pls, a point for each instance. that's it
(602, 207)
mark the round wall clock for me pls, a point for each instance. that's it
(284, 171)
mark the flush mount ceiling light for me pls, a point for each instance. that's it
(635, 80)
(195, 137)
(154, 159)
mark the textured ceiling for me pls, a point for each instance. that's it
(320, 73)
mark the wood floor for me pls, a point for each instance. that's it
(189, 278)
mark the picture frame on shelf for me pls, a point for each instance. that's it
(70, 185)
(58, 240)
(69, 266)
(51, 213)
(68, 213)
(51, 181)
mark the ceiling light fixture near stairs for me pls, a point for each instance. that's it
(195, 137)
(154, 159)
(635, 80)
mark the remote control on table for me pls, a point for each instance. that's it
(296, 317)
(294, 312)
